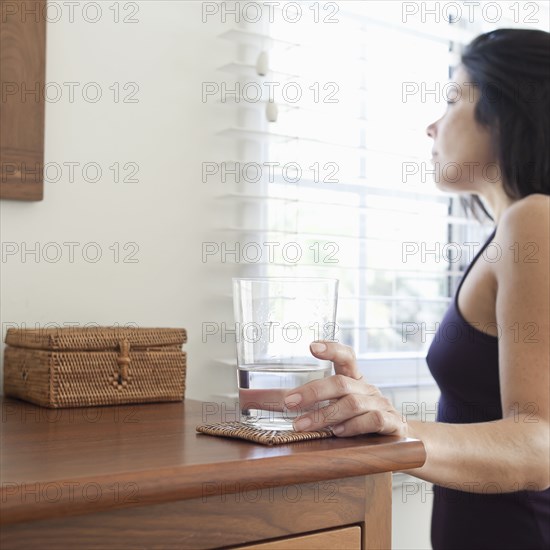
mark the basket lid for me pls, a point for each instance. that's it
(94, 338)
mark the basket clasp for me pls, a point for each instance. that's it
(123, 360)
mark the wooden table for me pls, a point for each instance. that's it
(139, 476)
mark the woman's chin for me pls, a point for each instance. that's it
(446, 187)
(453, 187)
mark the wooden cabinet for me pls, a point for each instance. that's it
(141, 477)
(348, 538)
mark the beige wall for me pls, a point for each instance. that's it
(168, 133)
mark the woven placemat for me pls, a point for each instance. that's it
(241, 430)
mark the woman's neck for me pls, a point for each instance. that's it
(497, 201)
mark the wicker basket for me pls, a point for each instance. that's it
(80, 367)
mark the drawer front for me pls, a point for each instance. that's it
(347, 538)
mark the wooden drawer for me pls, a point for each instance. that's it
(347, 538)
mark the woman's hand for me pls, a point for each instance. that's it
(355, 407)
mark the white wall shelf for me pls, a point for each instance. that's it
(249, 71)
(261, 41)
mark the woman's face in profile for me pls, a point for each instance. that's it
(462, 152)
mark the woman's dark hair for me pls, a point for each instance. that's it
(511, 68)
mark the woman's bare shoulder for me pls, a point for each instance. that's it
(523, 235)
(525, 219)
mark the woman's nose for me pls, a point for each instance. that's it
(430, 130)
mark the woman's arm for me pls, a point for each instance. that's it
(500, 456)
(514, 452)
(490, 457)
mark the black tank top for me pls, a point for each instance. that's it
(464, 362)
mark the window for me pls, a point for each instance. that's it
(346, 187)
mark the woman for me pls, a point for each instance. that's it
(488, 453)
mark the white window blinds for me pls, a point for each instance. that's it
(326, 166)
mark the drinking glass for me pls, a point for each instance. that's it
(276, 319)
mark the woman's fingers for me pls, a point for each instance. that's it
(354, 407)
(381, 422)
(332, 387)
(349, 406)
(346, 381)
(342, 356)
